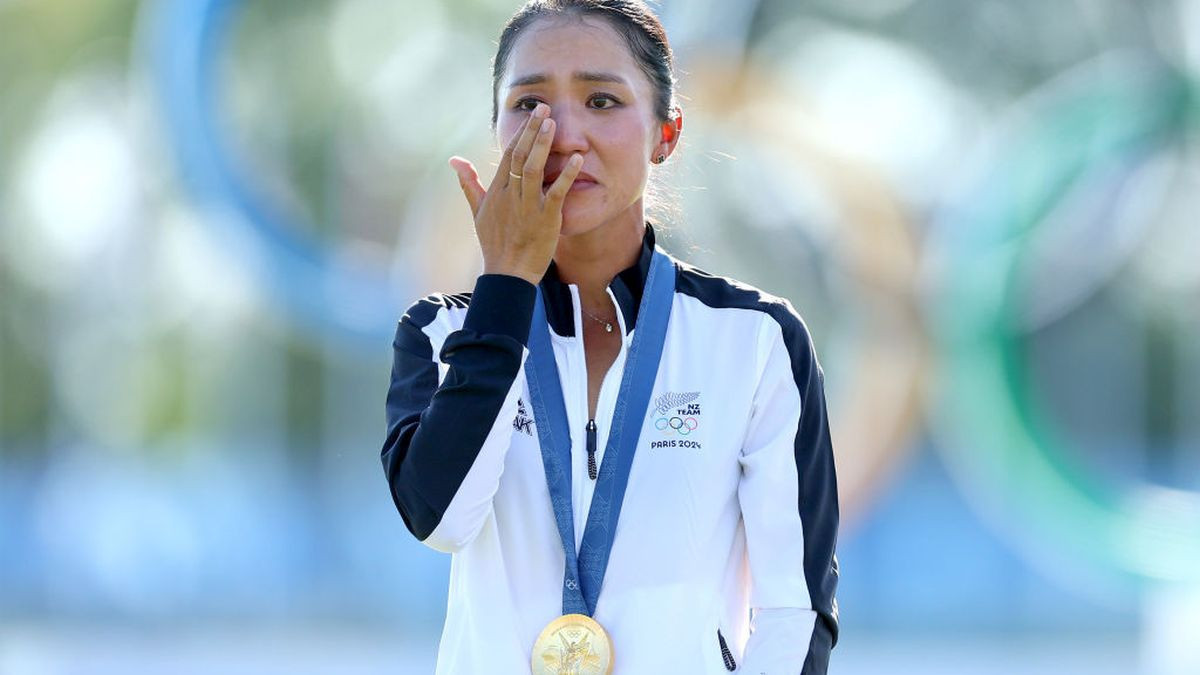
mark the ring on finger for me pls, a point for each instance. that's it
(515, 175)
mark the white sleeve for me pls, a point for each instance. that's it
(788, 498)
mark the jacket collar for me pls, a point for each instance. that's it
(626, 287)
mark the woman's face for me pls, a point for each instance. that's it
(602, 104)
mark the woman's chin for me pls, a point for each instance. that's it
(577, 221)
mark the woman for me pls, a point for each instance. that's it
(529, 418)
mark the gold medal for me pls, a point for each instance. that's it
(573, 645)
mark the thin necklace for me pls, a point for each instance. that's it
(608, 327)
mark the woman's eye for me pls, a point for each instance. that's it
(603, 101)
(526, 104)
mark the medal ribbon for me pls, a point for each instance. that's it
(584, 571)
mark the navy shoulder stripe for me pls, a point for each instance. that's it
(721, 292)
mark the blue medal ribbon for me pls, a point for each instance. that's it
(584, 571)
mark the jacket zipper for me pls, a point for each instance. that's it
(726, 655)
(591, 448)
(593, 470)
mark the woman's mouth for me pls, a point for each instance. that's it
(582, 182)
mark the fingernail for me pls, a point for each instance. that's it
(546, 124)
(541, 110)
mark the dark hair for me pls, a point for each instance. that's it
(642, 30)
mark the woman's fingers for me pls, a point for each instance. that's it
(534, 168)
(518, 231)
(561, 185)
(501, 178)
(529, 132)
(468, 180)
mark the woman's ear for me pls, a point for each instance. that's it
(672, 127)
(669, 133)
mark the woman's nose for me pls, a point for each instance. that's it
(570, 131)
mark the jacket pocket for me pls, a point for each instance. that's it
(726, 655)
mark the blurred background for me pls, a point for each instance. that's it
(213, 212)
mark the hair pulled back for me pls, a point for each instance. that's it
(632, 19)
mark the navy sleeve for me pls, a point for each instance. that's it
(818, 499)
(436, 432)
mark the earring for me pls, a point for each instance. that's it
(660, 159)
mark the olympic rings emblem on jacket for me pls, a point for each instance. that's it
(681, 425)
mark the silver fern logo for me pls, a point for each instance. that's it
(672, 399)
(677, 415)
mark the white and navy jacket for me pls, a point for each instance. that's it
(732, 497)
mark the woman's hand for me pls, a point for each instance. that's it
(516, 222)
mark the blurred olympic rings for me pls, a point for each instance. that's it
(323, 292)
(994, 447)
(864, 268)
(1109, 115)
(328, 296)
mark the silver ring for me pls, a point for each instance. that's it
(515, 175)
